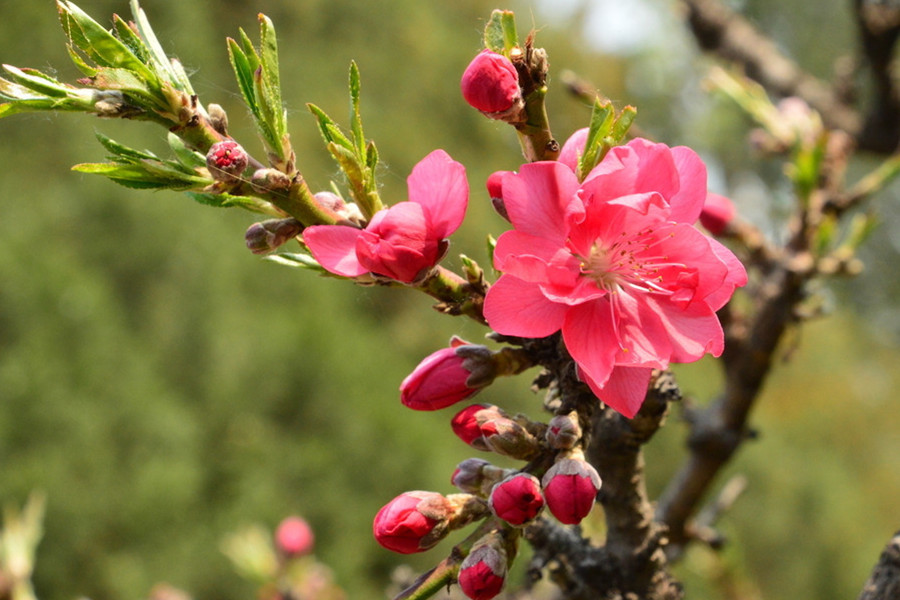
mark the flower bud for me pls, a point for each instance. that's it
(294, 537)
(570, 489)
(509, 438)
(447, 376)
(266, 236)
(483, 572)
(218, 118)
(264, 181)
(717, 214)
(467, 423)
(478, 476)
(416, 521)
(563, 431)
(331, 202)
(495, 191)
(491, 84)
(226, 160)
(517, 499)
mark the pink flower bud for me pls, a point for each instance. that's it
(405, 524)
(467, 424)
(570, 488)
(718, 212)
(483, 572)
(447, 376)
(517, 499)
(294, 537)
(495, 191)
(563, 431)
(226, 160)
(490, 83)
(269, 235)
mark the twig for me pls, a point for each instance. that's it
(884, 582)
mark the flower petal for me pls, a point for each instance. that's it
(591, 339)
(736, 277)
(688, 202)
(439, 184)
(516, 307)
(624, 391)
(692, 332)
(541, 201)
(573, 149)
(334, 247)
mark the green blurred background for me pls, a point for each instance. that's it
(165, 387)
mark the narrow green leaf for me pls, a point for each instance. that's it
(330, 130)
(228, 201)
(371, 156)
(493, 32)
(602, 118)
(297, 260)
(268, 54)
(131, 39)
(120, 150)
(355, 116)
(510, 35)
(37, 81)
(243, 71)
(158, 57)
(187, 157)
(623, 123)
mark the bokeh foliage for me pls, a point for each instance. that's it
(164, 386)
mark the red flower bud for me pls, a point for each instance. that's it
(483, 572)
(294, 537)
(405, 523)
(447, 376)
(718, 212)
(570, 488)
(467, 424)
(517, 499)
(226, 160)
(490, 83)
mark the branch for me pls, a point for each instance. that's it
(884, 582)
(719, 29)
(879, 27)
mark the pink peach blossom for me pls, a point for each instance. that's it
(615, 263)
(406, 240)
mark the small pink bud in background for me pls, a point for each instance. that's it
(717, 214)
(570, 489)
(517, 499)
(563, 431)
(294, 537)
(491, 84)
(447, 376)
(405, 523)
(483, 572)
(226, 160)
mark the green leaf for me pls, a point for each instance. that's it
(130, 38)
(330, 130)
(371, 156)
(36, 81)
(186, 156)
(355, 117)
(243, 71)
(223, 200)
(303, 261)
(124, 152)
(158, 57)
(500, 33)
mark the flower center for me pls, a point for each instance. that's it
(628, 262)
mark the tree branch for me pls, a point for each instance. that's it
(884, 582)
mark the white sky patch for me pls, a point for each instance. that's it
(613, 26)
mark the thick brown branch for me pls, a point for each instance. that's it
(884, 582)
(719, 29)
(879, 28)
(718, 431)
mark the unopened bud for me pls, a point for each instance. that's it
(334, 203)
(570, 489)
(509, 438)
(495, 191)
(717, 214)
(416, 521)
(491, 84)
(478, 476)
(467, 423)
(218, 118)
(266, 236)
(294, 537)
(517, 499)
(226, 160)
(447, 376)
(563, 431)
(483, 572)
(266, 181)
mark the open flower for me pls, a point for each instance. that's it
(405, 241)
(616, 263)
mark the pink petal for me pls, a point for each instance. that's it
(334, 247)
(512, 246)
(573, 149)
(541, 201)
(692, 332)
(688, 202)
(516, 307)
(643, 341)
(736, 277)
(439, 184)
(591, 339)
(625, 390)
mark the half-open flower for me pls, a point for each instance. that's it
(402, 242)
